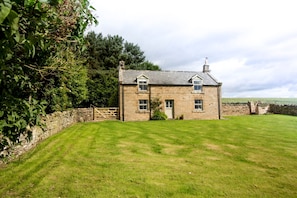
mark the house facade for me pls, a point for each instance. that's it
(190, 95)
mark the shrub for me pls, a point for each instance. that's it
(159, 115)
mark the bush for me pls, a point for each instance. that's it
(158, 115)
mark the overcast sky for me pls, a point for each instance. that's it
(251, 45)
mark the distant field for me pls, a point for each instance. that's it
(240, 156)
(280, 101)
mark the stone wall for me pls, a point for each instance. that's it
(183, 98)
(54, 123)
(85, 114)
(262, 108)
(58, 121)
(283, 109)
(234, 109)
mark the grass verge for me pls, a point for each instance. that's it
(244, 156)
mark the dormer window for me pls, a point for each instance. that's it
(197, 85)
(142, 82)
(142, 85)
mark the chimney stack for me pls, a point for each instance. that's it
(121, 68)
(122, 64)
(206, 66)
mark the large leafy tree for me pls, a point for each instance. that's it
(103, 55)
(64, 82)
(32, 35)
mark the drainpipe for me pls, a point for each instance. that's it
(123, 104)
(150, 99)
(121, 91)
(219, 93)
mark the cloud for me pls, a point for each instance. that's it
(251, 45)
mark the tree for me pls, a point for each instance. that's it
(31, 31)
(146, 65)
(65, 81)
(103, 55)
(132, 54)
(103, 89)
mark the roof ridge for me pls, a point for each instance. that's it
(162, 71)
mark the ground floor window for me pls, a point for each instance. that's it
(143, 105)
(198, 105)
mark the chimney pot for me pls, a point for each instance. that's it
(122, 64)
(206, 66)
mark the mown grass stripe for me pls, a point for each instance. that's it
(245, 156)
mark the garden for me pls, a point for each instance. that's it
(239, 156)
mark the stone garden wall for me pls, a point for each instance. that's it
(283, 109)
(234, 109)
(55, 123)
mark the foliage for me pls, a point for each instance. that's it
(159, 115)
(103, 55)
(31, 31)
(155, 104)
(65, 81)
(103, 88)
(144, 66)
(190, 158)
(132, 54)
(156, 110)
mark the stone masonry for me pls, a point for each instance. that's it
(183, 97)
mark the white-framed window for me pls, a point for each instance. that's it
(197, 85)
(198, 105)
(142, 85)
(143, 105)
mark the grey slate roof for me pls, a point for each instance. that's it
(167, 77)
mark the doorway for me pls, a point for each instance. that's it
(169, 104)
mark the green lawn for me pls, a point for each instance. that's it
(244, 156)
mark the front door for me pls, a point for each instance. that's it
(169, 108)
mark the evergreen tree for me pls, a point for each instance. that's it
(103, 55)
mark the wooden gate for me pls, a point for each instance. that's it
(108, 113)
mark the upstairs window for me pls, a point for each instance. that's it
(198, 105)
(142, 85)
(142, 81)
(197, 85)
(143, 105)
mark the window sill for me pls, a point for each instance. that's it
(198, 111)
(142, 92)
(197, 92)
(143, 111)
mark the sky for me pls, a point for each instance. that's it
(251, 45)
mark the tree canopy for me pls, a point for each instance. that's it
(48, 63)
(103, 55)
(37, 39)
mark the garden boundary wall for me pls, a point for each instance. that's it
(258, 108)
(57, 121)
(283, 109)
(234, 109)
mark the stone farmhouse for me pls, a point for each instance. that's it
(190, 95)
